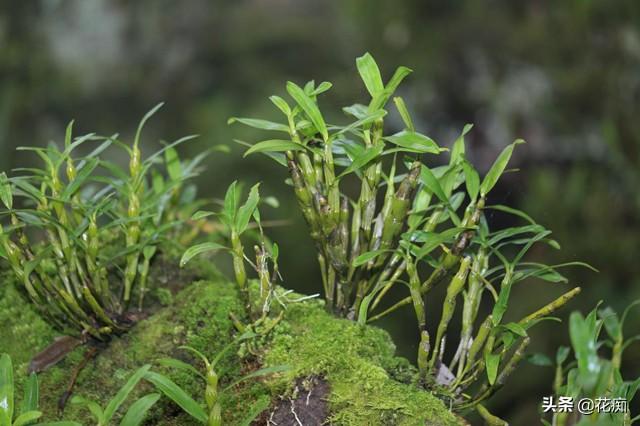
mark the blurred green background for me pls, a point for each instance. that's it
(565, 76)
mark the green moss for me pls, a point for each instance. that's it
(23, 331)
(356, 362)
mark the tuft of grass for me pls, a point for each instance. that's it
(79, 234)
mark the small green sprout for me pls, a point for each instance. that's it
(237, 217)
(134, 415)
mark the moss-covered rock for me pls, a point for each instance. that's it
(358, 363)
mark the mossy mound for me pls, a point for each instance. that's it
(365, 378)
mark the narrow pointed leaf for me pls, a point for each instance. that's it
(367, 119)
(322, 87)
(246, 210)
(370, 74)
(31, 394)
(146, 117)
(414, 141)
(260, 124)
(380, 100)
(124, 391)
(199, 249)
(492, 362)
(364, 158)
(259, 373)
(172, 161)
(180, 365)
(27, 418)
(6, 390)
(93, 407)
(458, 148)
(6, 195)
(404, 113)
(366, 257)
(281, 104)
(177, 395)
(309, 107)
(138, 410)
(274, 145)
(472, 180)
(432, 184)
(497, 168)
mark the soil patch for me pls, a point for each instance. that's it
(306, 406)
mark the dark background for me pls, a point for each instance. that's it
(565, 76)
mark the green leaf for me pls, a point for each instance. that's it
(146, 117)
(322, 87)
(431, 240)
(458, 148)
(231, 204)
(281, 104)
(246, 210)
(584, 334)
(271, 201)
(516, 329)
(180, 365)
(260, 124)
(137, 411)
(309, 107)
(541, 360)
(413, 141)
(27, 417)
(124, 391)
(194, 251)
(359, 111)
(497, 168)
(274, 145)
(6, 196)
(275, 156)
(364, 158)
(472, 180)
(380, 100)
(611, 323)
(93, 407)
(492, 361)
(404, 113)
(512, 211)
(562, 354)
(370, 74)
(259, 373)
(503, 299)
(177, 395)
(31, 394)
(366, 119)
(432, 184)
(174, 167)
(6, 390)
(60, 423)
(366, 257)
(201, 214)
